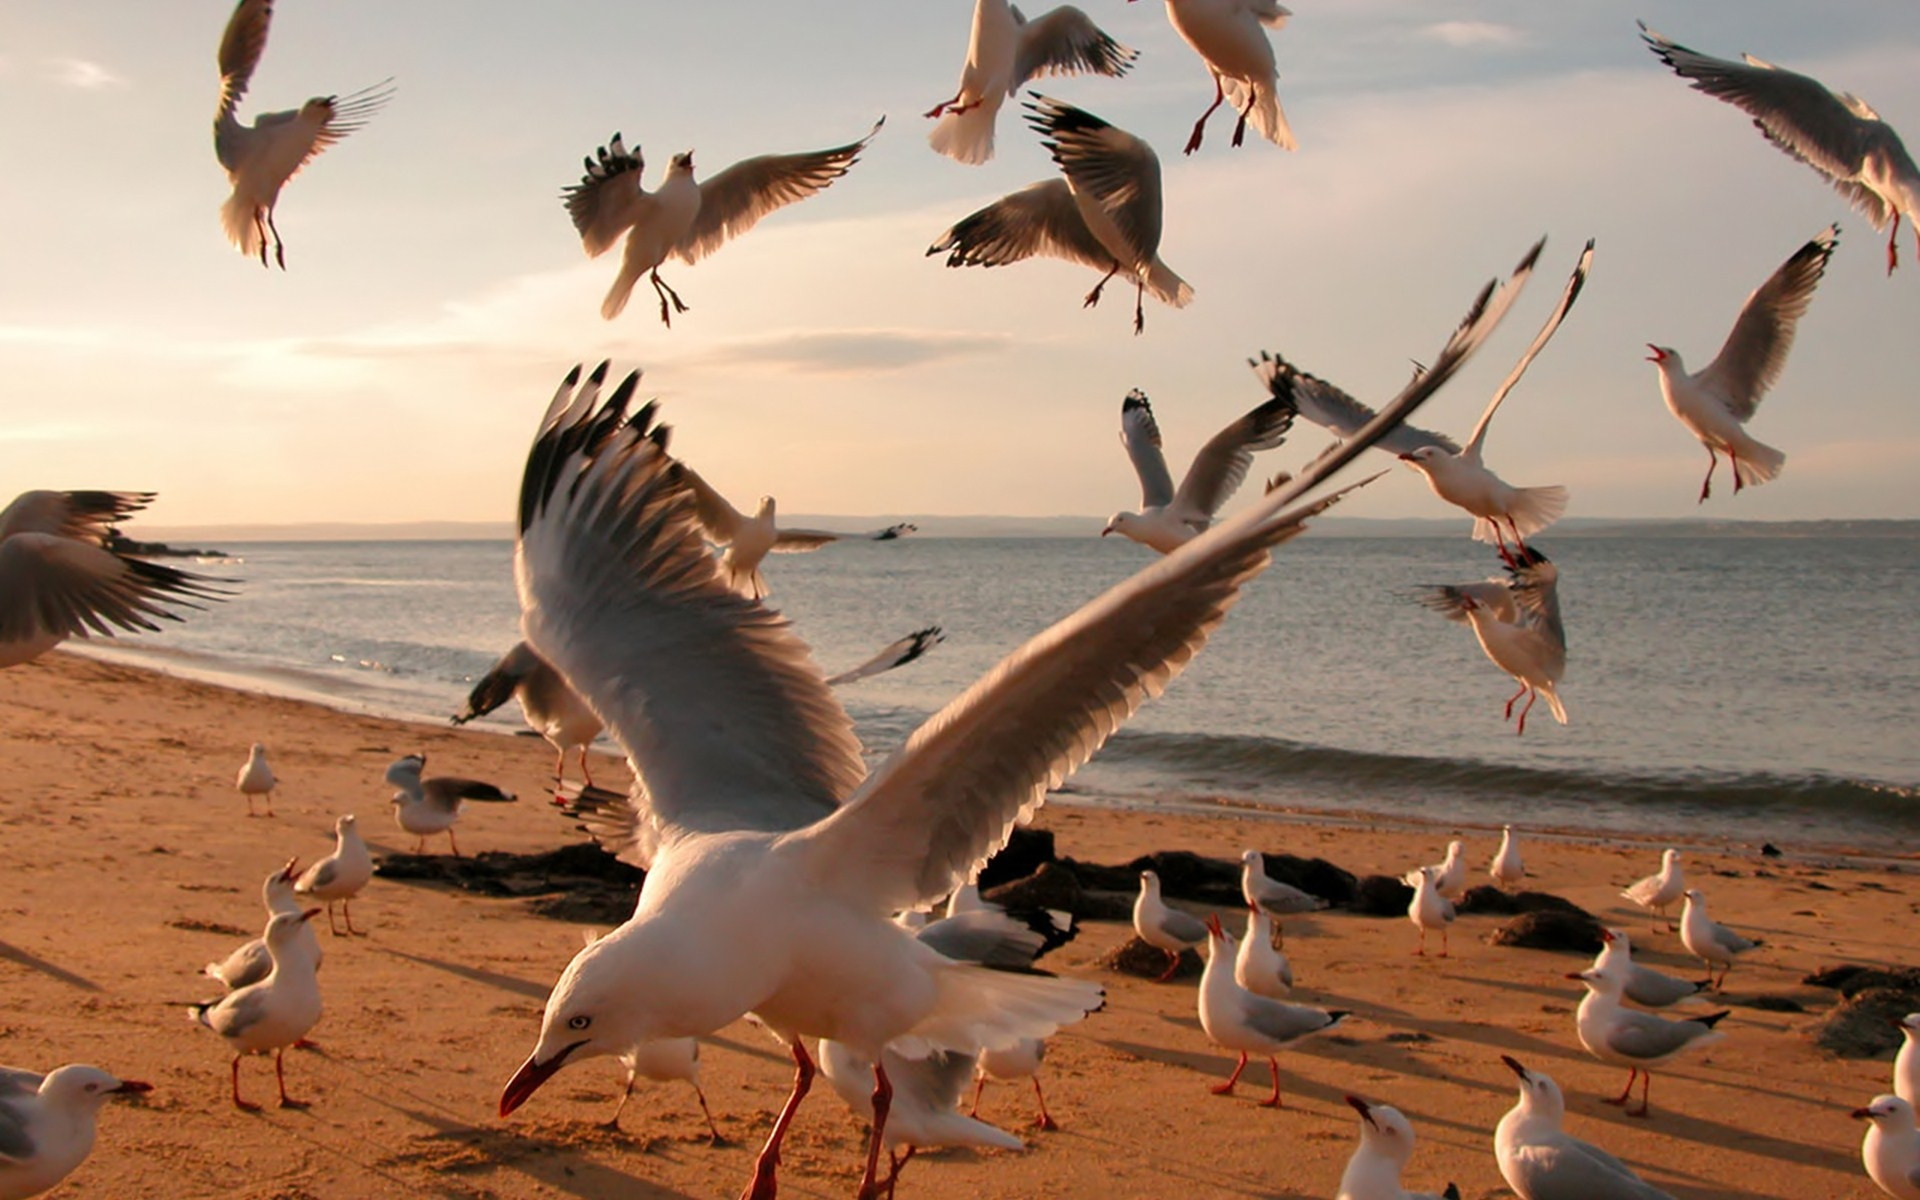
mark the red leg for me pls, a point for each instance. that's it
(1446, 944)
(453, 842)
(1139, 305)
(1093, 297)
(1173, 964)
(1646, 1085)
(1200, 126)
(898, 1163)
(242, 1105)
(332, 928)
(260, 228)
(713, 1131)
(1531, 697)
(279, 247)
(1273, 1101)
(1422, 950)
(613, 1122)
(1893, 253)
(1044, 1122)
(586, 772)
(1706, 485)
(1733, 464)
(871, 1186)
(1627, 1091)
(764, 1185)
(280, 1075)
(979, 1086)
(944, 105)
(346, 910)
(1226, 1089)
(1508, 714)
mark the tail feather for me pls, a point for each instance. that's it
(1266, 116)
(967, 137)
(1757, 462)
(1532, 510)
(617, 295)
(1167, 287)
(1553, 701)
(981, 1009)
(237, 218)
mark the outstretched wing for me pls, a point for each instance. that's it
(1040, 218)
(59, 585)
(84, 515)
(1478, 437)
(733, 201)
(497, 686)
(895, 654)
(241, 45)
(1756, 351)
(1118, 170)
(1066, 42)
(1222, 464)
(1330, 408)
(1140, 434)
(608, 200)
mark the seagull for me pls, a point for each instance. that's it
(1518, 626)
(747, 540)
(1429, 909)
(1708, 940)
(1105, 214)
(60, 578)
(686, 219)
(1237, 1019)
(1506, 868)
(1169, 519)
(274, 1013)
(1636, 1040)
(261, 157)
(1262, 890)
(1019, 1061)
(256, 778)
(47, 1123)
(1540, 1161)
(1260, 966)
(893, 654)
(550, 706)
(1663, 889)
(1641, 984)
(428, 806)
(665, 1060)
(251, 962)
(1906, 1064)
(767, 826)
(1167, 930)
(1386, 1143)
(1004, 53)
(1450, 874)
(925, 1111)
(1716, 402)
(1839, 136)
(340, 875)
(1891, 1149)
(1227, 36)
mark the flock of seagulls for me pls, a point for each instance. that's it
(777, 859)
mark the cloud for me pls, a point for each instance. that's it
(79, 73)
(854, 351)
(1470, 34)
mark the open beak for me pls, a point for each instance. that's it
(1213, 926)
(1609, 936)
(1407, 458)
(287, 872)
(1364, 1109)
(1862, 1114)
(532, 1073)
(1658, 354)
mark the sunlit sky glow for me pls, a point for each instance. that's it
(436, 291)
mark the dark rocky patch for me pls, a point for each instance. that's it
(577, 882)
(1134, 957)
(1551, 929)
(1025, 852)
(1865, 1024)
(1489, 899)
(1381, 896)
(1850, 979)
(1055, 886)
(1780, 1004)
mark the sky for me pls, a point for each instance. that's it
(436, 293)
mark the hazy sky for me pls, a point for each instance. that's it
(437, 292)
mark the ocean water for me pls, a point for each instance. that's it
(1731, 688)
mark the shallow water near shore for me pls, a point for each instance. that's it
(1743, 688)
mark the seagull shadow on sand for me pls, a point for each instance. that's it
(494, 979)
(15, 954)
(560, 1167)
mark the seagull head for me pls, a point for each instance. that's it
(766, 509)
(1539, 1094)
(1662, 355)
(345, 824)
(1119, 523)
(1889, 1112)
(282, 929)
(79, 1086)
(1424, 458)
(681, 164)
(594, 1010)
(1384, 1130)
(1909, 1025)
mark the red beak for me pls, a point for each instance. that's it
(1863, 1114)
(527, 1080)
(132, 1087)
(1658, 354)
(311, 913)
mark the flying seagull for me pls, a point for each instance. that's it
(1168, 519)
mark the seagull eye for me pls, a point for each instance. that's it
(579, 1022)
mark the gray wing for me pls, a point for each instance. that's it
(720, 519)
(500, 682)
(897, 654)
(727, 721)
(1835, 135)
(927, 816)
(239, 1012)
(1536, 593)
(318, 875)
(447, 791)
(1452, 600)
(1327, 406)
(733, 201)
(241, 45)
(938, 1080)
(1734, 942)
(993, 938)
(1182, 926)
(1222, 464)
(1756, 350)
(1645, 1036)
(1140, 434)
(616, 822)
(1285, 1022)
(15, 1081)
(59, 585)
(799, 541)
(16, 1145)
(1040, 218)
(1656, 989)
(1066, 42)
(1118, 170)
(1477, 439)
(86, 516)
(1283, 899)
(1571, 1169)
(608, 200)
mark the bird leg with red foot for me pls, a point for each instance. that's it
(1139, 307)
(1893, 236)
(1240, 127)
(1173, 964)
(453, 843)
(279, 247)
(1273, 1101)
(1621, 1099)
(943, 106)
(664, 290)
(1044, 1122)
(1093, 297)
(1226, 1089)
(1511, 700)
(713, 1130)
(280, 1076)
(1646, 1085)
(871, 1187)
(1706, 485)
(764, 1185)
(1200, 126)
(239, 1102)
(346, 910)
(1527, 708)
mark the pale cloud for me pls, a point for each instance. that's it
(1469, 34)
(82, 74)
(855, 351)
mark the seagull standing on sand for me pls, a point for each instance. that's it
(1635, 1040)
(1262, 890)
(1838, 135)
(549, 704)
(1429, 909)
(1708, 940)
(1891, 1149)
(1238, 1020)
(1450, 874)
(59, 579)
(1518, 626)
(686, 219)
(1106, 213)
(1260, 966)
(1228, 37)
(925, 1110)
(1506, 868)
(340, 875)
(1004, 53)
(1169, 519)
(1167, 930)
(256, 778)
(251, 962)
(1663, 889)
(1019, 1061)
(1716, 402)
(665, 1060)
(1386, 1144)
(1641, 984)
(424, 807)
(261, 157)
(1541, 1161)
(1906, 1064)
(274, 1013)
(47, 1123)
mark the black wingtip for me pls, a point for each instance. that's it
(1713, 1019)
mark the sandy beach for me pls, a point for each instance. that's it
(130, 862)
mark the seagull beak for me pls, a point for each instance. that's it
(287, 872)
(1407, 458)
(311, 913)
(1364, 1109)
(1576, 974)
(1513, 1064)
(1862, 1114)
(1609, 936)
(132, 1087)
(532, 1073)
(1213, 926)
(1658, 354)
